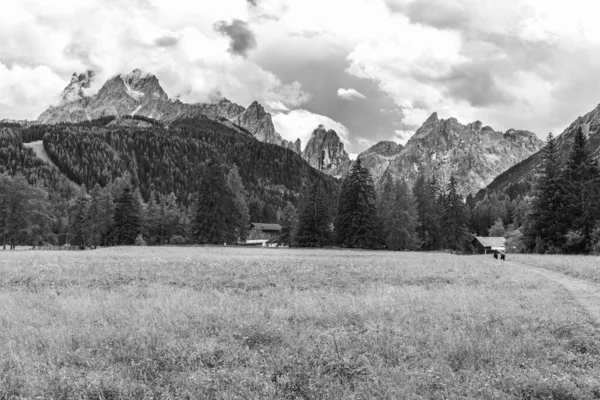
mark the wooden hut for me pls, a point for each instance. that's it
(262, 233)
(485, 245)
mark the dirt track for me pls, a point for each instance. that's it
(586, 293)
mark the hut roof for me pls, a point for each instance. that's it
(491, 241)
(266, 227)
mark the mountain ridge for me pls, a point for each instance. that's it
(139, 93)
(522, 173)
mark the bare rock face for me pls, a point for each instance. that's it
(474, 154)
(325, 152)
(75, 90)
(378, 158)
(590, 125)
(136, 93)
(258, 122)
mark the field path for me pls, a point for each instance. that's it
(586, 293)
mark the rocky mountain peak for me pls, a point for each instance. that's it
(325, 152)
(383, 148)
(138, 84)
(378, 157)
(259, 123)
(433, 118)
(75, 89)
(473, 154)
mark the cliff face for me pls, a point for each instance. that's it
(138, 93)
(589, 123)
(474, 154)
(258, 122)
(378, 158)
(325, 152)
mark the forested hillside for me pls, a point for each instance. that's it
(172, 160)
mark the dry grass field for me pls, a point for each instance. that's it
(234, 323)
(582, 267)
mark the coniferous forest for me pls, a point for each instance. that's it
(198, 181)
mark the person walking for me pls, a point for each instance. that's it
(503, 256)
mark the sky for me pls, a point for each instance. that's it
(370, 69)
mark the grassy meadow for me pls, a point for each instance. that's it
(239, 323)
(582, 267)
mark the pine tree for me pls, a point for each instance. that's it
(454, 227)
(313, 220)
(581, 195)
(428, 213)
(25, 213)
(544, 227)
(80, 221)
(255, 210)
(153, 220)
(95, 217)
(234, 181)
(398, 212)
(289, 223)
(107, 217)
(128, 218)
(357, 222)
(170, 217)
(217, 219)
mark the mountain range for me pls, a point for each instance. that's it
(473, 153)
(480, 157)
(521, 174)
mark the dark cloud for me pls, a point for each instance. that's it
(474, 82)
(166, 41)
(440, 14)
(322, 75)
(252, 3)
(241, 36)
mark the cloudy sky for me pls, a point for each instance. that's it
(370, 69)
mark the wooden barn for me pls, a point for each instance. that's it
(262, 233)
(485, 245)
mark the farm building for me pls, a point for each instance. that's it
(262, 233)
(484, 245)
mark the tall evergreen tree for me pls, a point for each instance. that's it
(428, 212)
(217, 219)
(153, 220)
(289, 224)
(25, 213)
(545, 225)
(128, 218)
(357, 222)
(398, 212)
(80, 221)
(313, 220)
(234, 181)
(95, 217)
(581, 194)
(454, 226)
(255, 210)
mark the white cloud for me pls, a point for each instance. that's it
(301, 123)
(401, 137)
(527, 64)
(172, 39)
(22, 89)
(364, 142)
(350, 94)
